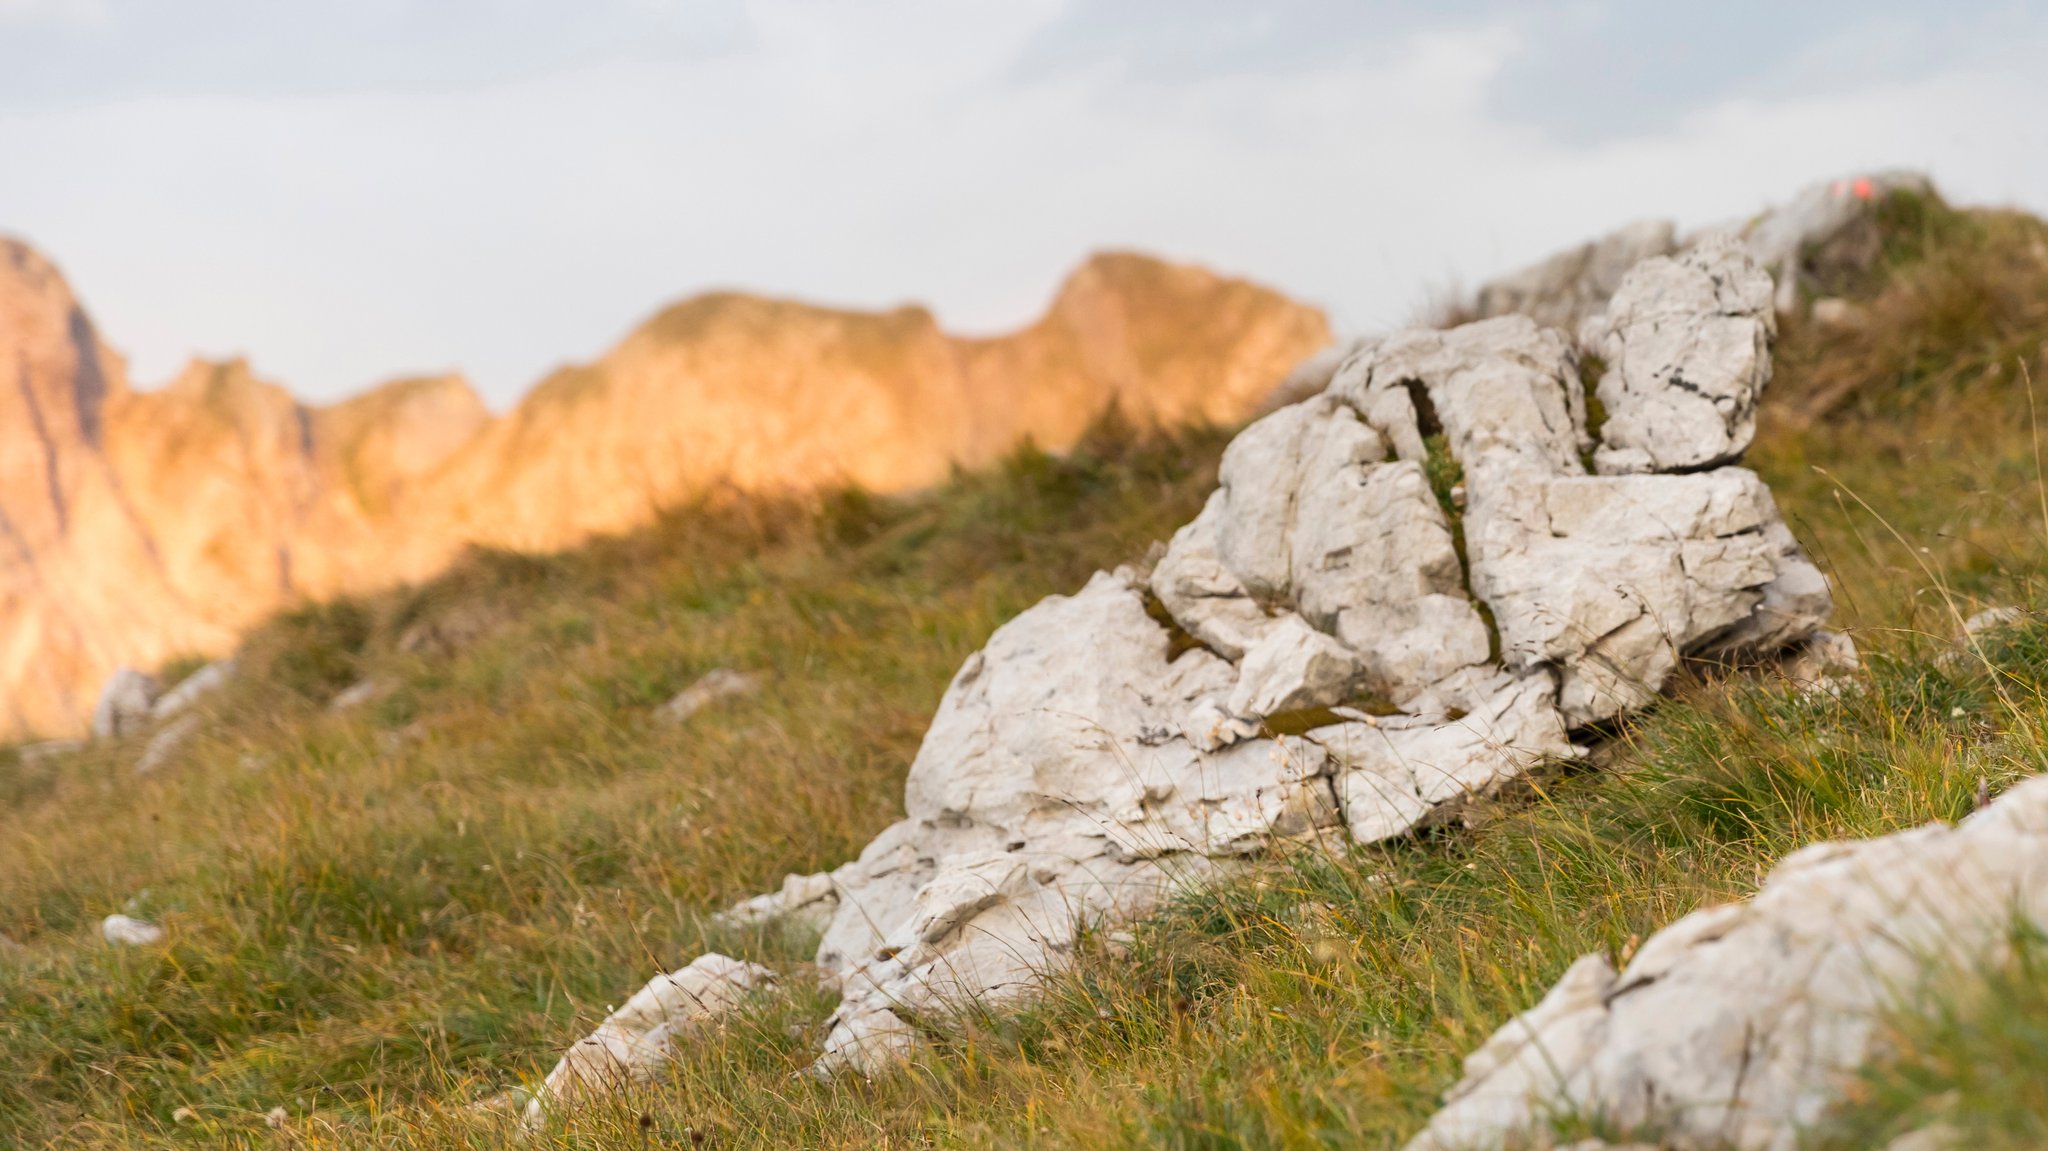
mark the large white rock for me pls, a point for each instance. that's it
(635, 1041)
(124, 704)
(1687, 341)
(1089, 762)
(1738, 1025)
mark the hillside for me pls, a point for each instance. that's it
(140, 527)
(379, 914)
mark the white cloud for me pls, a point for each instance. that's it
(876, 152)
(21, 12)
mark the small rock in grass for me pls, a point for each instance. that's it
(716, 684)
(358, 694)
(128, 931)
(166, 743)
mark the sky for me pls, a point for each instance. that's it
(346, 193)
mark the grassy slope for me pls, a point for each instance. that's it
(424, 900)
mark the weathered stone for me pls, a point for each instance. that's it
(43, 751)
(1829, 229)
(359, 693)
(869, 1042)
(1564, 289)
(1294, 667)
(169, 740)
(1201, 594)
(128, 931)
(1088, 761)
(1687, 341)
(124, 704)
(635, 1041)
(806, 902)
(1740, 1023)
(714, 685)
(193, 688)
(1397, 773)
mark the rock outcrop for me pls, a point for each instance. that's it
(140, 526)
(1330, 647)
(1566, 289)
(1829, 229)
(1738, 1025)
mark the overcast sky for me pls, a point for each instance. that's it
(346, 192)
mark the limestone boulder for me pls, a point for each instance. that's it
(1739, 1025)
(1687, 341)
(1090, 762)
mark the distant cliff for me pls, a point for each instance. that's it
(135, 526)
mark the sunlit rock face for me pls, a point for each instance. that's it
(138, 526)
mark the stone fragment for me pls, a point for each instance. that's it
(636, 1040)
(192, 689)
(1294, 667)
(806, 902)
(1564, 289)
(43, 751)
(127, 931)
(124, 704)
(169, 740)
(869, 1042)
(1739, 1024)
(714, 685)
(1201, 594)
(1397, 773)
(1687, 340)
(359, 693)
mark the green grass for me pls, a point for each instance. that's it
(378, 915)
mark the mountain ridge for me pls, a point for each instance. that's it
(169, 519)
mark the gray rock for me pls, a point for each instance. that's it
(124, 704)
(359, 693)
(43, 751)
(635, 1041)
(714, 685)
(1826, 224)
(164, 746)
(193, 688)
(1687, 341)
(1395, 774)
(1740, 1023)
(1564, 289)
(128, 931)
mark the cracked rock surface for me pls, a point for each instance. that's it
(634, 1041)
(1334, 645)
(1687, 341)
(1737, 1025)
